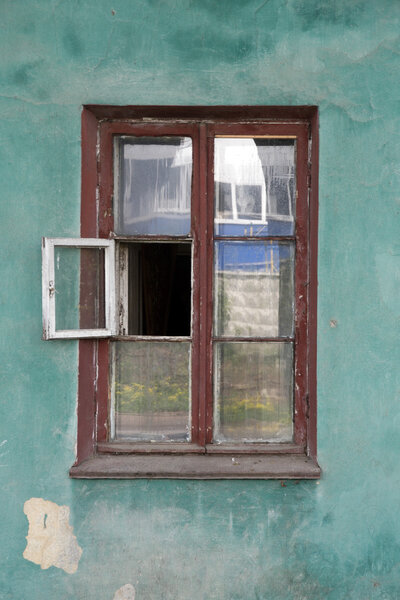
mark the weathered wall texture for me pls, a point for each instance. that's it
(334, 539)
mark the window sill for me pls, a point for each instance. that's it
(121, 447)
(197, 466)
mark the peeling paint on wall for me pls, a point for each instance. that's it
(126, 592)
(50, 538)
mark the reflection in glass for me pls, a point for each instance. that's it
(223, 193)
(253, 289)
(152, 394)
(155, 176)
(255, 178)
(79, 288)
(248, 201)
(253, 392)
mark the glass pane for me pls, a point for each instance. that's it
(254, 186)
(155, 177)
(253, 289)
(152, 393)
(79, 288)
(253, 391)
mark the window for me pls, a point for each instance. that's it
(193, 292)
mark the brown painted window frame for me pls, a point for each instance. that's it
(97, 457)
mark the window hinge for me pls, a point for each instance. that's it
(307, 403)
(108, 211)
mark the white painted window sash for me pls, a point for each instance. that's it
(49, 291)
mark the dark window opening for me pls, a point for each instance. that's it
(159, 289)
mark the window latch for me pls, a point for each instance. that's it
(52, 289)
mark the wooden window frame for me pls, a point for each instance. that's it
(97, 457)
(50, 332)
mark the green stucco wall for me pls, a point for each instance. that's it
(338, 538)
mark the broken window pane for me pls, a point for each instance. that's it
(154, 183)
(253, 289)
(255, 178)
(253, 391)
(152, 393)
(79, 288)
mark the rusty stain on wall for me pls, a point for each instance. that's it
(126, 592)
(50, 538)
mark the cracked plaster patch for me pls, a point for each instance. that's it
(50, 538)
(126, 592)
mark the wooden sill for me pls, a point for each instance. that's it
(254, 448)
(149, 448)
(190, 448)
(197, 466)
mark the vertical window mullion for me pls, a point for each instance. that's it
(196, 374)
(204, 382)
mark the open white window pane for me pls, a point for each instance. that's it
(78, 288)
